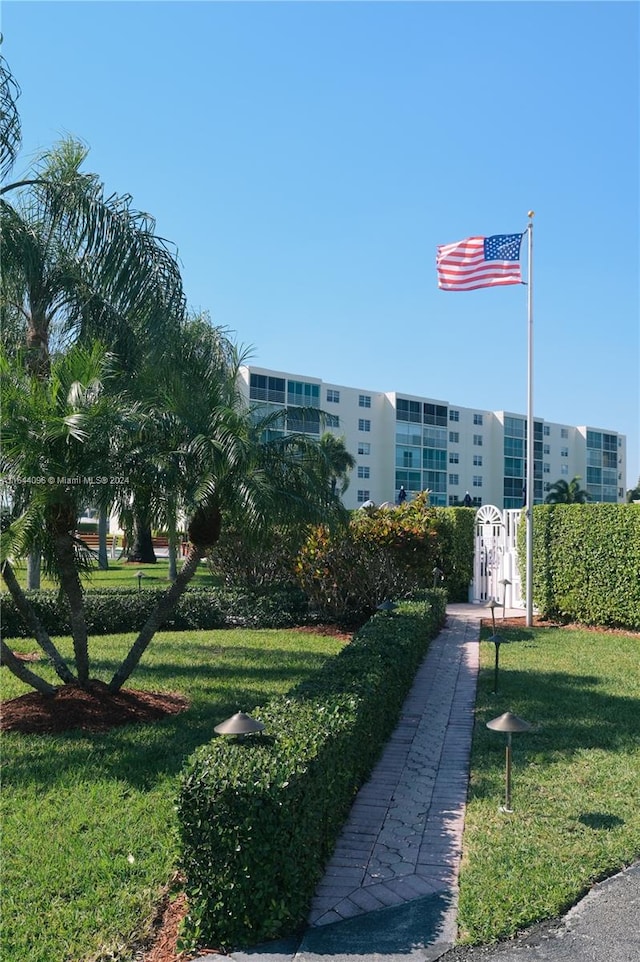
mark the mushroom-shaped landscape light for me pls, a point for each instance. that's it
(508, 723)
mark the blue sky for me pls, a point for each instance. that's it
(307, 158)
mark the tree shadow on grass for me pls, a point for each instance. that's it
(143, 754)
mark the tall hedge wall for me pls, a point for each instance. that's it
(258, 818)
(586, 563)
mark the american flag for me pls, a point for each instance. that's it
(479, 262)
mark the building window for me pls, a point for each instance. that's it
(564, 469)
(477, 440)
(453, 499)
(454, 415)
(477, 481)
(477, 460)
(564, 452)
(435, 414)
(477, 419)
(546, 430)
(546, 448)
(263, 388)
(364, 472)
(408, 411)
(564, 432)
(363, 495)
(547, 468)
(454, 479)
(333, 396)
(454, 437)
(454, 458)
(364, 447)
(364, 401)
(364, 424)
(333, 421)
(303, 394)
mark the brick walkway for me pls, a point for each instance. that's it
(403, 838)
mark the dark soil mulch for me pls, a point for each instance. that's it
(93, 709)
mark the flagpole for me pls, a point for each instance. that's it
(530, 430)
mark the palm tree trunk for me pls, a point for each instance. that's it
(20, 670)
(173, 546)
(103, 557)
(35, 626)
(70, 583)
(142, 548)
(33, 571)
(164, 607)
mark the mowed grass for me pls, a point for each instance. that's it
(575, 777)
(89, 825)
(122, 574)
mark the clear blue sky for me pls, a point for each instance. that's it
(307, 159)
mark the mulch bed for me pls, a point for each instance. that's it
(93, 709)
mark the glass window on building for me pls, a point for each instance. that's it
(364, 401)
(454, 437)
(408, 411)
(454, 458)
(454, 479)
(477, 419)
(477, 481)
(363, 495)
(454, 415)
(546, 431)
(364, 424)
(333, 396)
(302, 421)
(364, 447)
(435, 414)
(303, 394)
(477, 460)
(477, 440)
(564, 433)
(264, 388)
(364, 471)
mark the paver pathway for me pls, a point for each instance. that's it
(403, 838)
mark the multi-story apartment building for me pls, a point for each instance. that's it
(422, 443)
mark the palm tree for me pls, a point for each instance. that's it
(562, 492)
(337, 462)
(226, 464)
(56, 453)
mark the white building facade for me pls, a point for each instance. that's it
(428, 444)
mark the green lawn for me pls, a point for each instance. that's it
(121, 574)
(89, 829)
(575, 777)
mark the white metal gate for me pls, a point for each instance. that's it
(495, 558)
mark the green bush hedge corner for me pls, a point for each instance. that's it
(259, 817)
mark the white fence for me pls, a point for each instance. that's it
(495, 558)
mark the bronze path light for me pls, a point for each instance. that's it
(508, 723)
(239, 724)
(505, 583)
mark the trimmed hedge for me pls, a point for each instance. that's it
(118, 610)
(586, 563)
(259, 817)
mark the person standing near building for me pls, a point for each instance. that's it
(402, 495)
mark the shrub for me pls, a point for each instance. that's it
(119, 610)
(259, 817)
(386, 553)
(586, 563)
(238, 560)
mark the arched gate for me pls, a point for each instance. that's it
(495, 557)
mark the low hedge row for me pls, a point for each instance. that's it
(126, 609)
(259, 817)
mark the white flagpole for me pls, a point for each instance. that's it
(530, 430)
